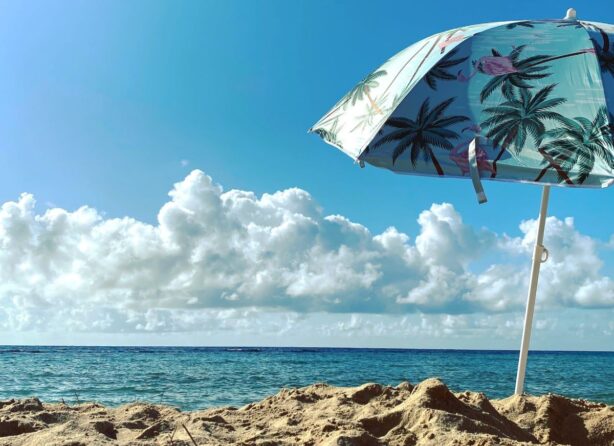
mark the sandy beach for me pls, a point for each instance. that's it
(425, 414)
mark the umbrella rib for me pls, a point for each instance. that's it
(403, 67)
(424, 59)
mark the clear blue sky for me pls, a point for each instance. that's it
(101, 101)
(109, 103)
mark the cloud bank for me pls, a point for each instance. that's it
(215, 259)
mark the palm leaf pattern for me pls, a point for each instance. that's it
(514, 95)
(428, 130)
(331, 134)
(605, 53)
(570, 24)
(440, 70)
(371, 113)
(524, 70)
(363, 89)
(577, 144)
(524, 24)
(512, 121)
(517, 72)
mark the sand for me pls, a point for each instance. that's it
(425, 414)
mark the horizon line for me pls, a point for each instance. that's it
(310, 347)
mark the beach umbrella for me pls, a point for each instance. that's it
(528, 101)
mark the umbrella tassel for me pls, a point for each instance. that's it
(475, 172)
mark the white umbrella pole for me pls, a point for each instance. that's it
(538, 258)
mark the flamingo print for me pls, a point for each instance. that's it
(498, 65)
(492, 66)
(460, 154)
(450, 39)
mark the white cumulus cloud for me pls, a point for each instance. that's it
(215, 258)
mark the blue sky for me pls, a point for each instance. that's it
(108, 104)
(103, 100)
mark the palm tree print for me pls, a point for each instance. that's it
(439, 71)
(430, 129)
(569, 23)
(577, 144)
(363, 88)
(605, 53)
(511, 122)
(330, 135)
(524, 24)
(511, 71)
(360, 90)
(371, 114)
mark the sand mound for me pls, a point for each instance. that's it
(369, 415)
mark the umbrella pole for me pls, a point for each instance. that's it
(538, 258)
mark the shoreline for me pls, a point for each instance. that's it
(425, 414)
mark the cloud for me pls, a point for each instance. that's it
(216, 258)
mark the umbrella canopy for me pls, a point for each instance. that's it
(528, 101)
(537, 96)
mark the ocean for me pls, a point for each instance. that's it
(200, 377)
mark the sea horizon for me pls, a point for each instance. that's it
(257, 346)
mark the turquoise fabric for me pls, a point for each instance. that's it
(538, 97)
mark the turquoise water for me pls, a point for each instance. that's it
(193, 378)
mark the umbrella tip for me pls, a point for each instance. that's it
(571, 14)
